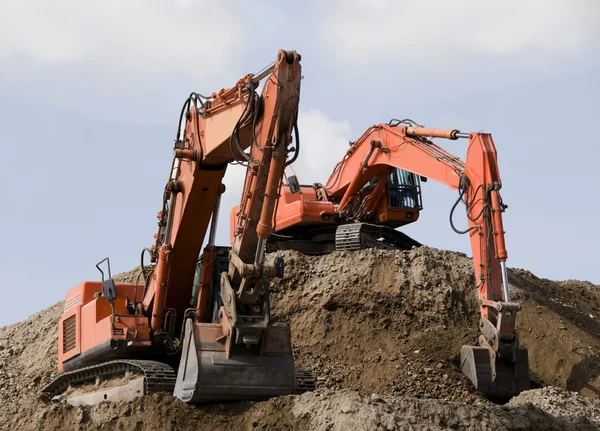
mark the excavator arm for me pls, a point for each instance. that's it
(498, 366)
(385, 146)
(217, 131)
(240, 354)
(266, 167)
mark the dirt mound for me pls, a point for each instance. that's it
(322, 410)
(348, 410)
(368, 322)
(394, 322)
(381, 321)
(563, 404)
(28, 352)
(134, 276)
(560, 325)
(159, 412)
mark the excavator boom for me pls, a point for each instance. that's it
(243, 355)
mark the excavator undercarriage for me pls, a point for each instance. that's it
(346, 237)
(209, 375)
(148, 377)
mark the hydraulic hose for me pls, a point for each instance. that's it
(297, 138)
(458, 231)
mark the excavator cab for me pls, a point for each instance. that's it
(399, 201)
(404, 190)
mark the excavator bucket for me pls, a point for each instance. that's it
(497, 380)
(209, 370)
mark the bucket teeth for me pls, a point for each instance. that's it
(497, 380)
(305, 381)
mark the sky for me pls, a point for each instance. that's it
(90, 94)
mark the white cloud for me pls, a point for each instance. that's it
(123, 37)
(323, 142)
(363, 33)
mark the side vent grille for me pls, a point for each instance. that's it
(69, 333)
(118, 331)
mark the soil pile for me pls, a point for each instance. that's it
(324, 409)
(381, 330)
(28, 353)
(560, 325)
(381, 321)
(563, 404)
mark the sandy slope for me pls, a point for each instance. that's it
(381, 330)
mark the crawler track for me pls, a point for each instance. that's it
(158, 377)
(356, 236)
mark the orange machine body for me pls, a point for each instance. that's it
(87, 324)
(312, 207)
(305, 208)
(147, 321)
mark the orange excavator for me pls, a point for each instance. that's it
(376, 187)
(220, 341)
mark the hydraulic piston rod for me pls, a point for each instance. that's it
(429, 132)
(505, 282)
